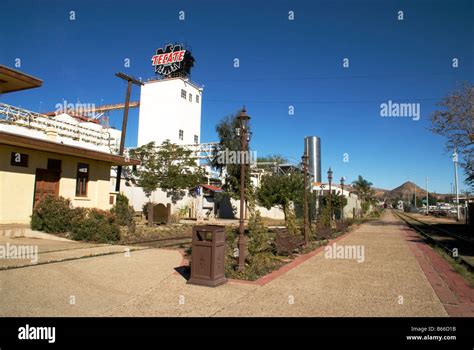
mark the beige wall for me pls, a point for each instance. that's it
(17, 183)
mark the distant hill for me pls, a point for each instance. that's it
(406, 189)
(403, 191)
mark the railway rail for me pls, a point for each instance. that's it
(459, 247)
(162, 242)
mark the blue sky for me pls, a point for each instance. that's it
(282, 63)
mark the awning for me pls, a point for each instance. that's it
(7, 138)
(12, 80)
(212, 188)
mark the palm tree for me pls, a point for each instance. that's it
(363, 189)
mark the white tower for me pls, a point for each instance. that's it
(170, 108)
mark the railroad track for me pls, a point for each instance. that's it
(448, 241)
(163, 242)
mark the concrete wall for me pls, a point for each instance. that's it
(17, 184)
(163, 112)
(352, 203)
(229, 208)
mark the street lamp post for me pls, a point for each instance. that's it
(427, 198)
(304, 160)
(455, 161)
(330, 195)
(242, 131)
(342, 198)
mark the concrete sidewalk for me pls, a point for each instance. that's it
(389, 282)
(48, 251)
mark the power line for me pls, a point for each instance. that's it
(321, 102)
(326, 77)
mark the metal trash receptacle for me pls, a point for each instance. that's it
(208, 256)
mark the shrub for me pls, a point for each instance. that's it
(52, 215)
(262, 264)
(350, 221)
(231, 244)
(145, 208)
(365, 207)
(123, 211)
(95, 225)
(325, 215)
(183, 212)
(291, 223)
(259, 239)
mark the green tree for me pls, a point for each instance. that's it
(170, 167)
(229, 141)
(280, 190)
(364, 191)
(455, 121)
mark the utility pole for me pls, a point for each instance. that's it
(427, 198)
(455, 161)
(129, 81)
(415, 195)
(304, 160)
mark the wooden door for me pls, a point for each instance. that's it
(47, 183)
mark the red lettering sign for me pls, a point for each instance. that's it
(168, 58)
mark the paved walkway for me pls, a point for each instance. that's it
(43, 251)
(389, 282)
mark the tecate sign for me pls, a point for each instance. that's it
(168, 60)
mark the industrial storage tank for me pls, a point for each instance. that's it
(312, 147)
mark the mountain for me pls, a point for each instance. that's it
(405, 191)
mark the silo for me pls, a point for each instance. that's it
(312, 147)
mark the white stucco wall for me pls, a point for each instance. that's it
(163, 112)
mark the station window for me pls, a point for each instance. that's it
(197, 98)
(181, 134)
(190, 97)
(82, 179)
(196, 139)
(183, 93)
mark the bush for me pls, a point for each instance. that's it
(259, 238)
(231, 244)
(291, 223)
(95, 225)
(145, 209)
(52, 215)
(123, 211)
(365, 207)
(325, 216)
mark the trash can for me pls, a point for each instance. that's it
(208, 256)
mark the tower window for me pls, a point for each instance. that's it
(190, 97)
(181, 134)
(183, 93)
(197, 98)
(196, 139)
